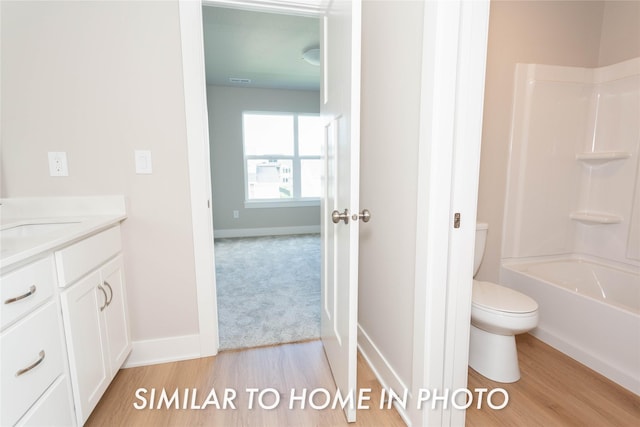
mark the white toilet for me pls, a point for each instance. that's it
(497, 315)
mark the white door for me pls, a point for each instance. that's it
(82, 308)
(340, 109)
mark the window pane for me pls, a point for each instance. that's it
(270, 179)
(310, 135)
(311, 175)
(268, 134)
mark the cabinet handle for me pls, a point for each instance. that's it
(33, 365)
(32, 290)
(106, 298)
(110, 291)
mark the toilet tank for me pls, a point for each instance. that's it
(481, 240)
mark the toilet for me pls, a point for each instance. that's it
(498, 313)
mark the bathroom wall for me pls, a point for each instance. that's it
(542, 32)
(226, 105)
(99, 80)
(620, 38)
(560, 198)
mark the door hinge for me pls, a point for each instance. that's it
(456, 220)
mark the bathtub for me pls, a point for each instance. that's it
(588, 310)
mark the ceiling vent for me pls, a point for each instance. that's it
(239, 80)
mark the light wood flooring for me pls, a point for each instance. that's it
(283, 367)
(554, 391)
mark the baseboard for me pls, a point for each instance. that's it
(163, 350)
(622, 378)
(268, 231)
(384, 372)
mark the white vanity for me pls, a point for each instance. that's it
(64, 320)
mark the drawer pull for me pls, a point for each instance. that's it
(33, 365)
(110, 291)
(106, 298)
(32, 290)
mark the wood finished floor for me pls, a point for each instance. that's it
(283, 367)
(554, 390)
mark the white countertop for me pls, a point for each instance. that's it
(64, 220)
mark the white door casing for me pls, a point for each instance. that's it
(340, 110)
(197, 127)
(453, 69)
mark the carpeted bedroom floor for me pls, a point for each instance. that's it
(268, 290)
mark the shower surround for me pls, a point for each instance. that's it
(573, 197)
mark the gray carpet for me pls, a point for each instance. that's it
(268, 290)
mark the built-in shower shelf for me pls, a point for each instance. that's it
(602, 157)
(588, 217)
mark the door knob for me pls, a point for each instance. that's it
(337, 216)
(365, 216)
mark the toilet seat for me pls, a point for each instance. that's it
(490, 296)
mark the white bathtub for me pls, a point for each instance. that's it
(589, 311)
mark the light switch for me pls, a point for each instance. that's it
(58, 163)
(143, 162)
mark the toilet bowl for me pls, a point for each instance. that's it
(498, 314)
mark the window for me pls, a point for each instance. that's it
(282, 157)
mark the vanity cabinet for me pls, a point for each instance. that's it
(95, 316)
(34, 381)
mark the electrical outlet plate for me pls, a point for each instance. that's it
(58, 163)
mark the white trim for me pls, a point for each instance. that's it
(163, 350)
(382, 369)
(472, 54)
(259, 204)
(442, 300)
(312, 8)
(270, 231)
(199, 171)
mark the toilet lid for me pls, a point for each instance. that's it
(500, 298)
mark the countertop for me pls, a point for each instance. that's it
(58, 222)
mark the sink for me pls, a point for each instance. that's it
(30, 230)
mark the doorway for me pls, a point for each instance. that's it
(262, 97)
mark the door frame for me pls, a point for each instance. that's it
(452, 100)
(197, 127)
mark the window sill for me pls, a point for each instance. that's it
(252, 204)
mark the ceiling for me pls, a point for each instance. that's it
(265, 48)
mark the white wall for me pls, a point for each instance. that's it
(99, 80)
(541, 32)
(226, 105)
(388, 182)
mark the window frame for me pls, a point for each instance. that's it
(296, 164)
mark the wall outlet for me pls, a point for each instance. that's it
(58, 163)
(236, 214)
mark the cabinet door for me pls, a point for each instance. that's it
(83, 305)
(116, 314)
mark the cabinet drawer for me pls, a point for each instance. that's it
(25, 288)
(32, 358)
(53, 408)
(78, 259)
